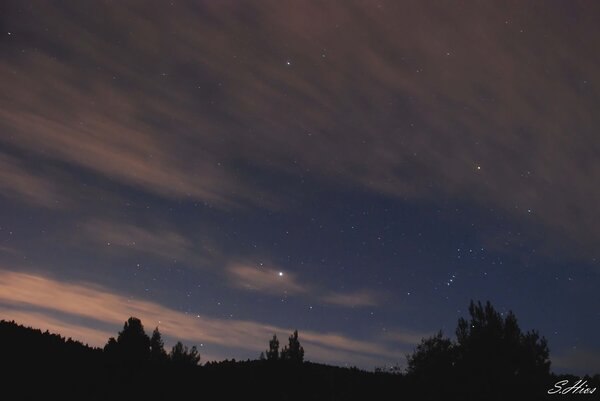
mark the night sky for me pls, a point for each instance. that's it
(357, 171)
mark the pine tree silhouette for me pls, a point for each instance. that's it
(491, 353)
(273, 351)
(157, 348)
(132, 346)
(293, 352)
(183, 357)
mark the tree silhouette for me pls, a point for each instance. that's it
(293, 351)
(273, 351)
(434, 357)
(157, 348)
(132, 346)
(182, 356)
(491, 354)
(111, 346)
(494, 349)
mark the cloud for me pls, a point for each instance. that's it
(265, 279)
(405, 336)
(577, 361)
(353, 299)
(117, 151)
(39, 320)
(277, 281)
(114, 237)
(30, 299)
(16, 181)
(154, 241)
(406, 100)
(9, 250)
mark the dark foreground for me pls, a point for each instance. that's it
(44, 366)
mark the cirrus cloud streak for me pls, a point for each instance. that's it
(25, 298)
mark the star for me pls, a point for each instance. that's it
(280, 274)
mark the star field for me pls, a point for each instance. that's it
(358, 172)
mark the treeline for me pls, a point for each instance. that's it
(134, 348)
(491, 359)
(293, 352)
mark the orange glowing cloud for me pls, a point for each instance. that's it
(275, 281)
(37, 301)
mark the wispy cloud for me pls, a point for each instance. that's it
(16, 181)
(278, 281)
(353, 299)
(265, 279)
(9, 250)
(119, 151)
(160, 242)
(38, 293)
(408, 337)
(442, 101)
(579, 360)
(43, 321)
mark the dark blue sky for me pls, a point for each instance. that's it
(358, 171)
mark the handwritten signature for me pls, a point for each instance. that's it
(579, 387)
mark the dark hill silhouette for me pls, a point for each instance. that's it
(491, 359)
